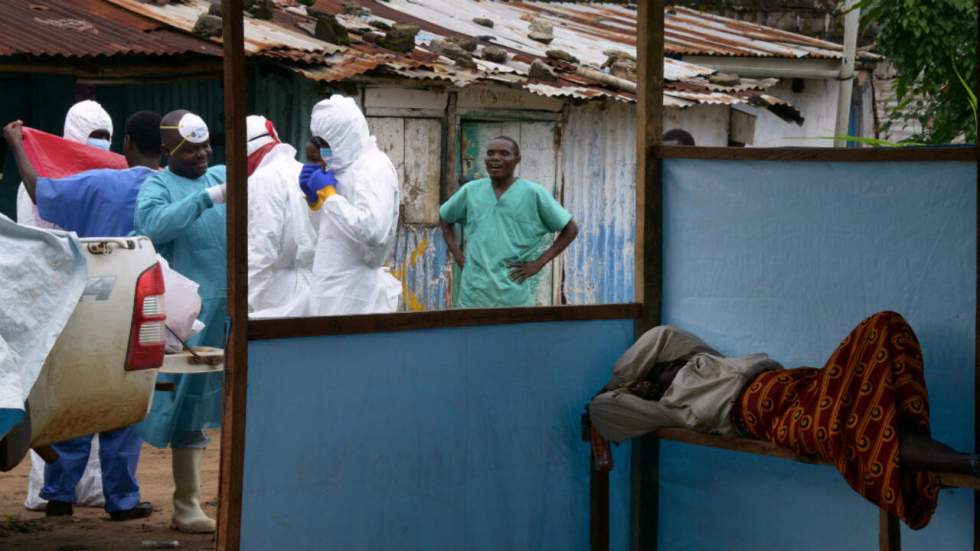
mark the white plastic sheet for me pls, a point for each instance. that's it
(88, 491)
(43, 275)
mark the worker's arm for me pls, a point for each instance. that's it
(15, 139)
(523, 270)
(452, 241)
(162, 219)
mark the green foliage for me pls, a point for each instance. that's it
(870, 142)
(932, 43)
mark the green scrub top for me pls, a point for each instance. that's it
(498, 233)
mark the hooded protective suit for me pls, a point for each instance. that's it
(281, 239)
(355, 227)
(82, 119)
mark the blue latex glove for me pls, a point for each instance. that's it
(317, 184)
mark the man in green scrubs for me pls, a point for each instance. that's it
(504, 219)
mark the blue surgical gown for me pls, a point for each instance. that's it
(95, 203)
(188, 229)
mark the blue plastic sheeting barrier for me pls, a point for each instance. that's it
(461, 438)
(787, 258)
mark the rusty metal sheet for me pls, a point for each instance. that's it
(421, 262)
(88, 28)
(599, 158)
(260, 35)
(344, 65)
(584, 30)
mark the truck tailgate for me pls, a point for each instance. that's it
(84, 386)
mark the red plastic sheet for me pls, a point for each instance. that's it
(55, 157)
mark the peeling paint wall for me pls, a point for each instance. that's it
(599, 165)
(421, 263)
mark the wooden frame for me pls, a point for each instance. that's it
(242, 329)
(644, 477)
(436, 319)
(236, 347)
(823, 154)
(646, 309)
(645, 451)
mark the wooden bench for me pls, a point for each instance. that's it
(889, 534)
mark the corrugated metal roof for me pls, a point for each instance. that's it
(279, 38)
(584, 30)
(693, 32)
(88, 28)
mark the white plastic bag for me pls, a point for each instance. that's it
(182, 305)
(88, 492)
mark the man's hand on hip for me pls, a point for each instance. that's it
(521, 271)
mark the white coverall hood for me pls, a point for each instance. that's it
(84, 118)
(340, 122)
(259, 133)
(356, 227)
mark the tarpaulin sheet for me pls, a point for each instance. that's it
(55, 157)
(786, 258)
(465, 438)
(43, 275)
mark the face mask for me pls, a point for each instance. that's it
(98, 142)
(326, 154)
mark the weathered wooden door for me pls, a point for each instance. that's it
(539, 141)
(419, 260)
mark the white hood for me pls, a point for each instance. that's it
(340, 122)
(84, 118)
(259, 132)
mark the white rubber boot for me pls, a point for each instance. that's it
(188, 515)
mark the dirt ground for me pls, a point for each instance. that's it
(90, 529)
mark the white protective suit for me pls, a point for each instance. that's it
(355, 227)
(82, 119)
(281, 238)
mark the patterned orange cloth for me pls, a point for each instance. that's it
(849, 413)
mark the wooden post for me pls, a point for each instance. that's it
(649, 107)
(889, 532)
(450, 121)
(645, 452)
(598, 507)
(236, 348)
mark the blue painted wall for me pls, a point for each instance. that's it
(463, 438)
(786, 259)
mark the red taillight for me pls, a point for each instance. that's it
(146, 337)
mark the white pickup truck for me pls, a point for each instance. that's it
(101, 373)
